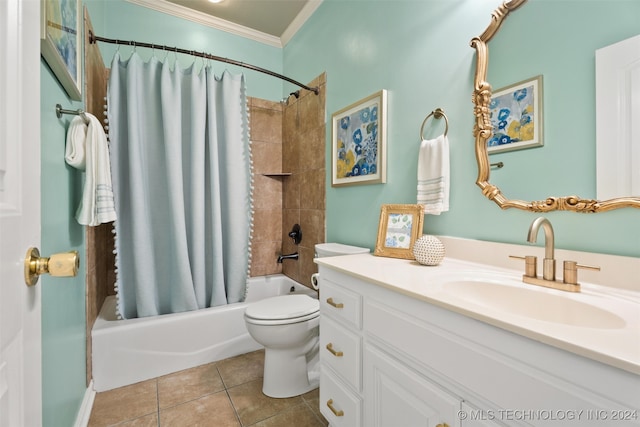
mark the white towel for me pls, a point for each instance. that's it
(433, 175)
(87, 149)
(74, 150)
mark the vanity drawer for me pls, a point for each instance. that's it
(341, 349)
(339, 406)
(340, 303)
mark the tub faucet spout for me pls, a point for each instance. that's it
(290, 256)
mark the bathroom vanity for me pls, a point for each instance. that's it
(468, 344)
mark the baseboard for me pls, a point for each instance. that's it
(84, 413)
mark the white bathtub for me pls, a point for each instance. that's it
(133, 350)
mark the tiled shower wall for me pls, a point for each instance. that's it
(266, 136)
(303, 155)
(289, 167)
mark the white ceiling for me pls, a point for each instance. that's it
(272, 22)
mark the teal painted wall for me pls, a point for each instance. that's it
(125, 21)
(63, 299)
(419, 51)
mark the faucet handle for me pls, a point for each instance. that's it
(570, 271)
(530, 264)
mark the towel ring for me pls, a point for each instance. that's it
(438, 113)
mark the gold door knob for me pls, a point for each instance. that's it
(64, 264)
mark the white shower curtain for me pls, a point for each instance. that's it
(180, 156)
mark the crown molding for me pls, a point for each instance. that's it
(211, 21)
(302, 17)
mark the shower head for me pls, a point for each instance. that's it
(285, 101)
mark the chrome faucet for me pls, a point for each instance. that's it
(549, 262)
(290, 256)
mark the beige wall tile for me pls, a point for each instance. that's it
(265, 125)
(267, 157)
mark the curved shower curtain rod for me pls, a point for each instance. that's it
(93, 39)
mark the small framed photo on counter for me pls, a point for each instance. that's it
(399, 228)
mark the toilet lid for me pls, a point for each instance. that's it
(283, 307)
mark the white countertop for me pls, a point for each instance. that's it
(616, 343)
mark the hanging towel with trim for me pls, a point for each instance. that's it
(433, 175)
(87, 149)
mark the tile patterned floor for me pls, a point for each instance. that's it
(227, 393)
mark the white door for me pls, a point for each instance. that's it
(20, 344)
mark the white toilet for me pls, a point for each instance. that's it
(287, 327)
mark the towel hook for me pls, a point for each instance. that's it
(438, 113)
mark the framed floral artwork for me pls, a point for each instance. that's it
(516, 116)
(399, 228)
(60, 43)
(358, 149)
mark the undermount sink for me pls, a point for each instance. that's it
(539, 304)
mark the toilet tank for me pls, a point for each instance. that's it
(336, 249)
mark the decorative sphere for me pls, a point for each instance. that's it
(428, 250)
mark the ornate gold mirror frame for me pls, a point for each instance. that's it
(483, 131)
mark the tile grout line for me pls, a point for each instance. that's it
(157, 401)
(226, 391)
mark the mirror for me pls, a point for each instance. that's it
(483, 132)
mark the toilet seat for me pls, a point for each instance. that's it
(282, 310)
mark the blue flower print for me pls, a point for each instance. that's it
(520, 94)
(365, 115)
(372, 128)
(493, 104)
(494, 141)
(358, 149)
(355, 171)
(502, 124)
(504, 113)
(364, 169)
(374, 113)
(357, 136)
(344, 122)
(504, 139)
(525, 119)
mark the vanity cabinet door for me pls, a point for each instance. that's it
(395, 395)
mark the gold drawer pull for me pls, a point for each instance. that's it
(443, 425)
(334, 352)
(334, 410)
(334, 304)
